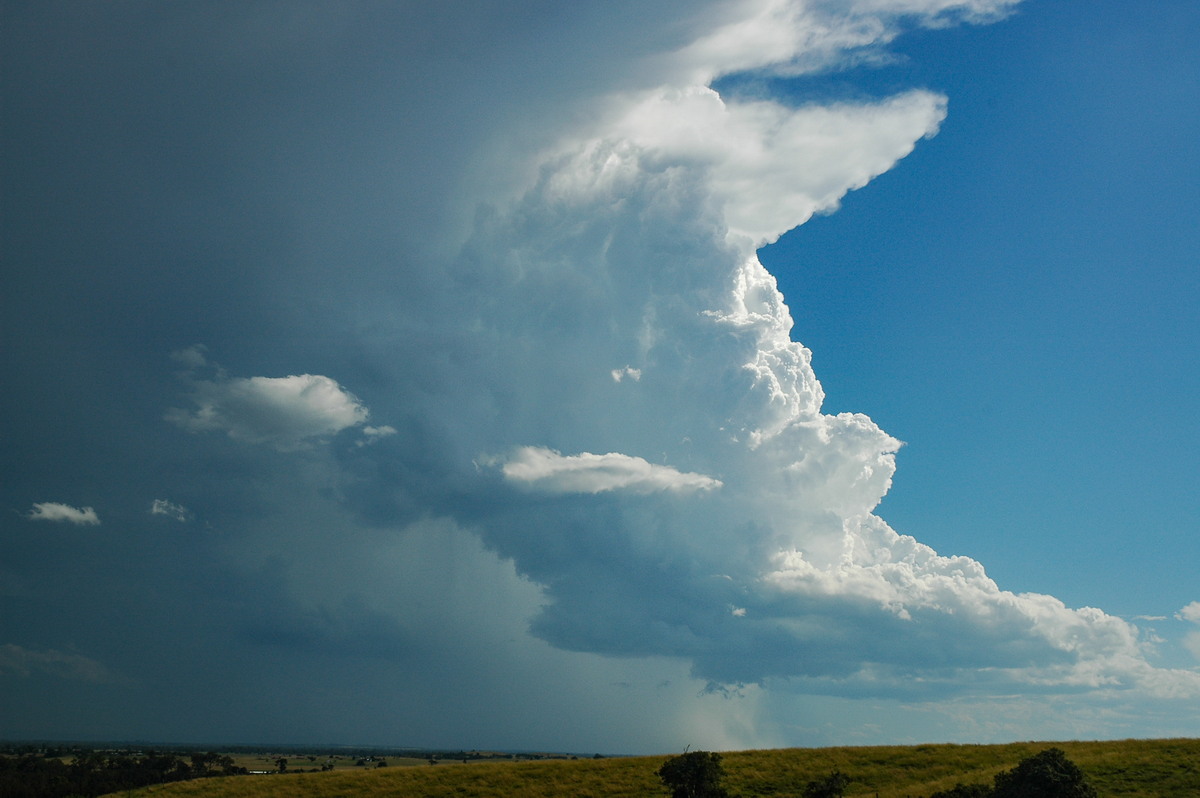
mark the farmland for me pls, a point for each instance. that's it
(1128, 768)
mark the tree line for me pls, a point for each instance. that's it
(92, 773)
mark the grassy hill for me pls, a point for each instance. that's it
(1141, 768)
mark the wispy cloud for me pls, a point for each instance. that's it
(788, 37)
(55, 511)
(25, 662)
(374, 434)
(169, 509)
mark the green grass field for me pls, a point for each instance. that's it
(1142, 768)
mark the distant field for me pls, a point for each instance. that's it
(1142, 768)
(297, 762)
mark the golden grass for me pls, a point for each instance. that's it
(1124, 769)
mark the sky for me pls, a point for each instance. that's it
(599, 377)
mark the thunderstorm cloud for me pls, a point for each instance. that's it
(597, 474)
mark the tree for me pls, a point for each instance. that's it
(832, 786)
(281, 763)
(694, 775)
(1046, 775)
(211, 764)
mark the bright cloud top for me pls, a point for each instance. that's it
(55, 511)
(287, 413)
(548, 471)
(773, 167)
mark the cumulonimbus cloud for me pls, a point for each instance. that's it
(615, 303)
(637, 245)
(56, 511)
(548, 471)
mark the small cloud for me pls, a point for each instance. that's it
(1190, 613)
(284, 412)
(23, 662)
(547, 470)
(372, 434)
(193, 357)
(628, 371)
(169, 509)
(1149, 617)
(54, 511)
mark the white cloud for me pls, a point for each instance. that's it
(1191, 642)
(770, 167)
(939, 12)
(378, 432)
(169, 509)
(628, 371)
(548, 471)
(54, 511)
(790, 37)
(374, 434)
(285, 412)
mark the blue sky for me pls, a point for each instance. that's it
(1016, 302)
(616, 377)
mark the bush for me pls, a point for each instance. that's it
(694, 775)
(1046, 775)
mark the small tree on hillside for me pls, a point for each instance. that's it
(694, 775)
(832, 786)
(1046, 775)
